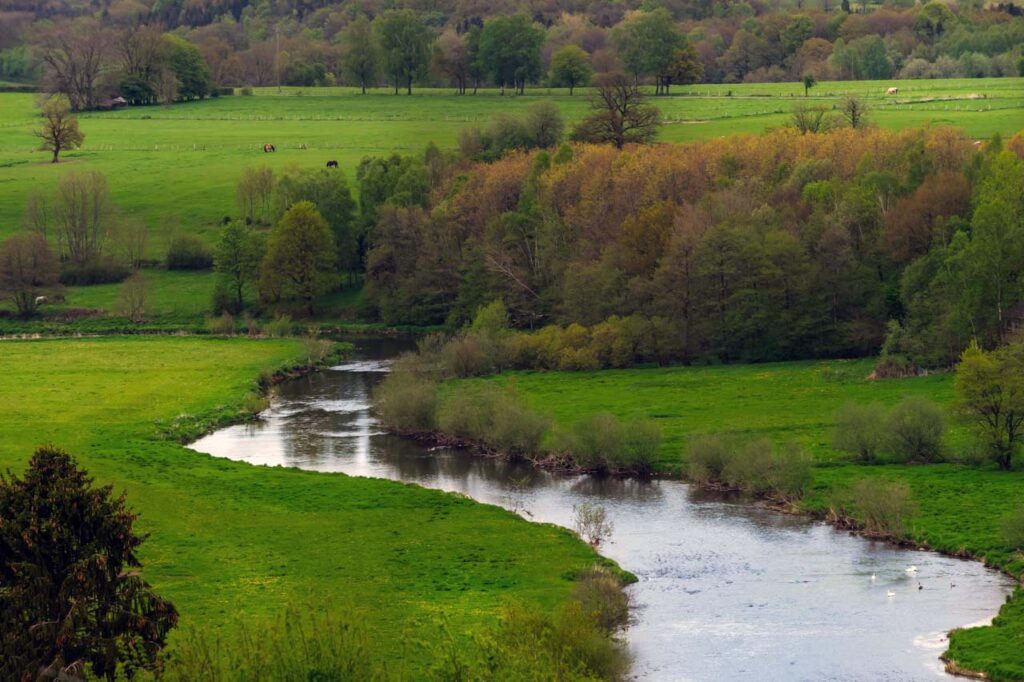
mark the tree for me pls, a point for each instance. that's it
(933, 20)
(620, 115)
(570, 66)
(132, 297)
(82, 212)
(300, 257)
(359, 54)
(510, 51)
(647, 44)
(28, 270)
(809, 82)
(451, 59)
(71, 597)
(328, 190)
(237, 258)
(253, 192)
(140, 53)
(686, 68)
(855, 111)
(810, 119)
(60, 127)
(403, 39)
(990, 395)
(73, 53)
(185, 61)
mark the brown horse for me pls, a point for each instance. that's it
(268, 148)
(332, 164)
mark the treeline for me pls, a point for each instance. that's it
(259, 44)
(782, 246)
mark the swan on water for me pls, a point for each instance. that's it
(890, 594)
(911, 569)
(873, 577)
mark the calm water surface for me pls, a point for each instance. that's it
(727, 591)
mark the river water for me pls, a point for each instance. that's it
(726, 591)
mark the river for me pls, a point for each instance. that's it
(727, 590)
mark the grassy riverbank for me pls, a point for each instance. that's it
(231, 542)
(959, 507)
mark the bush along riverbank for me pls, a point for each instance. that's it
(911, 460)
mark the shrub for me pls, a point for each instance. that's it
(222, 325)
(640, 441)
(596, 441)
(407, 402)
(860, 431)
(517, 430)
(279, 327)
(188, 252)
(132, 297)
(464, 357)
(316, 350)
(601, 596)
(914, 431)
(255, 403)
(883, 508)
(102, 271)
(245, 91)
(747, 469)
(494, 417)
(467, 415)
(706, 458)
(790, 473)
(1011, 527)
(591, 522)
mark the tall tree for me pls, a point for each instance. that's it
(451, 59)
(60, 127)
(570, 66)
(990, 394)
(72, 601)
(685, 68)
(82, 212)
(404, 42)
(359, 52)
(183, 58)
(328, 190)
(300, 257)
(28, 270)
(620, 115)
(647, 42)
(240, 250)
(74, 54)
(510, 51)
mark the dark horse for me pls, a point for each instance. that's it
(332, 164)
(268, 148)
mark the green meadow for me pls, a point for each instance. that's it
(959, 506)
(177, 167)
(231, 542)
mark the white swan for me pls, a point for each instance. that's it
(873, 578)
(890, 594)
(911, 569)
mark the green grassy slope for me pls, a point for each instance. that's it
(232, 542)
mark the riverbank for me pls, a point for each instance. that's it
(231, 542)
(959, 507)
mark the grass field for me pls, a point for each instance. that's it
(959, 507)
(177, 166)
(232, 542)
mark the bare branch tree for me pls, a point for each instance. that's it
(621, 113)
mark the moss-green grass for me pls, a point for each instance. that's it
(232, 542)
(959, 507)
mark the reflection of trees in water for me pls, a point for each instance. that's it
(735, 505)
(615, 488)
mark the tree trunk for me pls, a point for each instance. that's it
(56, 153)
(408, 85)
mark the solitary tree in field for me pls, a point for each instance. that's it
(570, 66)
(990, 394)
(300, 257)
(855, 111)
(28, 270)
(809, 82)
(60, 127)
(620, 115)
(71, 598)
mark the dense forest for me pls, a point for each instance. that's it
(748, 248)
(466, 44)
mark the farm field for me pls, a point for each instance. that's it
(230, 538)
(959, 507)
(177, 167)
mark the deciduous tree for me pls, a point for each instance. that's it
(570, 67)
(990, 394)
(359, 55)
(60, 127)
(620, 115)
(28, 270)
(300, 257)
(404, 43)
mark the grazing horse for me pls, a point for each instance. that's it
(268, 148)
(332, 164)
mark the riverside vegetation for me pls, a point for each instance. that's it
(227, 538)
(908, 459)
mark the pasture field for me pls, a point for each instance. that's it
(177, 167)
(228, 538)
(959, 507)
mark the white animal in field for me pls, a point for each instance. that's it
(892, 91)
(41, 300)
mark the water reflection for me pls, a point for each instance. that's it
(727, 591)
